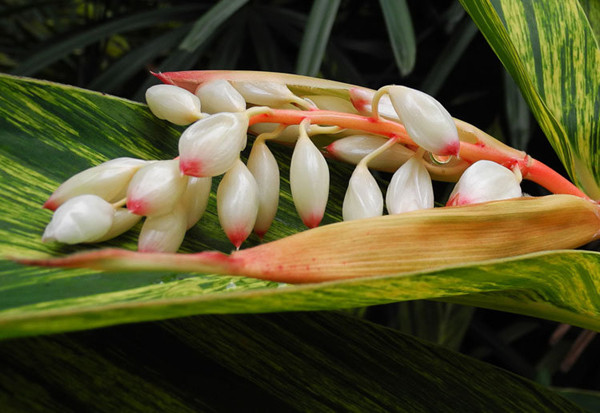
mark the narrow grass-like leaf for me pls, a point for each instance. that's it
(275, 362)
(400, 31)
(50, 132)
(210, 21)
(549, 48)
(441, 69)
(316, 36)
(123, 69)
(57, 49)
(517, 114)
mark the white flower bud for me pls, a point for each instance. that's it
(156, 188)
(362, 101)
(363, 197)
(410, 188)
(237, 203)
(123, 221)
(353, 148)
(163, 233)
(309, 181)
(108, 180)
(80, 219)
(264, 168)
(219, 96)
(195, 199)
(212, 145)
(427, 122)
(265, 93)
(174, 104)
(485, 181)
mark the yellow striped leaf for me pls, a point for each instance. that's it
(551, 51)
(49, 132)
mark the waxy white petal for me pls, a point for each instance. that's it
(123, 220)
(237, 203)
(108, 180)
(174, 104)
(485, 181)
(264, 168)
(219, 96)
(80, 219)
(427, 122)
(195, 199)
(163, 233)
(363, 197)
(410, 188)
(211, 146)
(265, 93)
(309, 181)
(156, 188)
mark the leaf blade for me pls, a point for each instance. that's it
(550, 50)
(316, 35)
(401, 34)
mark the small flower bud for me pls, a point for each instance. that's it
(485, 181)
(265, 93)
(353, 148)
(363, 197)
(264, 168)
(174, 104)
(219, 96)
(156, 188)
(123, 221)
(195, 199)
(163, 233)
(237, 203)
(80, 219)
(361, 100)
(212, 145)
(108, 180)
(309, 181)
(410, 188)
(427, 122)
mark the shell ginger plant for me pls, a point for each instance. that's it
(490, 246)
(395, 129)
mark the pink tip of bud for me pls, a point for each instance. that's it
(458, 200)
(237, 236)
(312, 221)
(451, 149)
(50, 204)
(162, 78)
(331, 148)
(191, 167)
(359, 99)
(137, 206)
(260, 233)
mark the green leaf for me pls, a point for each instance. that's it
(210, 21)
(550, 49)
(275, 362)
(57, 49)
(123, 69)
(400, 31)
(316, 35)
(50, 132)
(447, 60)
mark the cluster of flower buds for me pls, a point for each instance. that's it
(109, 199)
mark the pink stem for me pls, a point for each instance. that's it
(531, 169)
